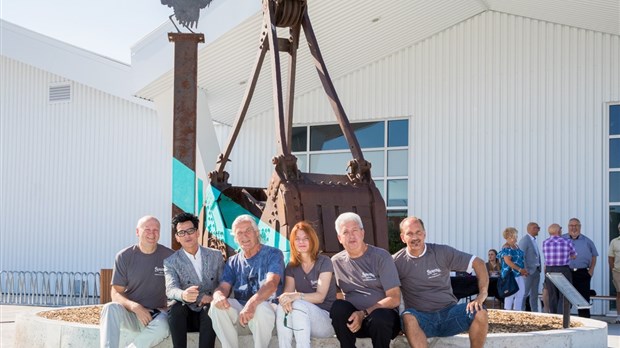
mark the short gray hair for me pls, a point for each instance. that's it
(347, 217)
(245, 218)
(143, 220)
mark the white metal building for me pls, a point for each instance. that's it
(82, 159)
(507, 106)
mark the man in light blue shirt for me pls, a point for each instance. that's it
(582, 267)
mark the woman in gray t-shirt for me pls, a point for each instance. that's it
(309, 291)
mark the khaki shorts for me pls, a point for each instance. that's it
(616, 279)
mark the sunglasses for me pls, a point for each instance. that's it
(285, 320)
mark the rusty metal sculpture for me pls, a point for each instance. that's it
(291, 195)
(186, 12)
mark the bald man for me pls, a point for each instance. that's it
(558, 252)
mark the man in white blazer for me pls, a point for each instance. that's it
(531, 257)
(192, 274)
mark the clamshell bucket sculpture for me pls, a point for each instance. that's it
(291, 195)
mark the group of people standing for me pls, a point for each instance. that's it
(356, 293)
(572, 254)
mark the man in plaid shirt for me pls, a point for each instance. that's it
(558, 251)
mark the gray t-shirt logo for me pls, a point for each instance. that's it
(433, 273)
(159, 271)
(368, 277)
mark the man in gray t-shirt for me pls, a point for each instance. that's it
(368, 278)
(138, 291)
(431, 309)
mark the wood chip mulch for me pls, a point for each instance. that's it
(499, 321)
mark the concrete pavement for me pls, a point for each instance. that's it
(7, 321)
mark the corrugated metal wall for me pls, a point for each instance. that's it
(507, 126)
(75, 176)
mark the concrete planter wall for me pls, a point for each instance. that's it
(35, 331)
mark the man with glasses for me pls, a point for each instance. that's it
(531, 258)
(138, 291)
(254, 275)
(614, 265)
(582, 267)
(192, 274)
(368, 278)
(431, 309)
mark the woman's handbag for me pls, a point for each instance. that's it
(507, 286)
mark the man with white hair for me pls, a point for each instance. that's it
(254, 275)
(368, 278)
(614, 265)
(558, 252)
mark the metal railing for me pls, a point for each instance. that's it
(49, 288)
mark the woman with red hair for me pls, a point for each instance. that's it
(309, 291)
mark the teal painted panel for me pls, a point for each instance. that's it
(183, 183)
(221, 211)
(200, 196)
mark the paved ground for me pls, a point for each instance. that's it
(9, 312)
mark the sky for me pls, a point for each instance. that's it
(108, 27)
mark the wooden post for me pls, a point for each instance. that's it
(105, 294)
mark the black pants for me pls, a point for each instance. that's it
(182, 320)
(581, 282)
(556, 299)
(382, 325)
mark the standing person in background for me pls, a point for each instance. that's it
(192, 274)
(254, 276)
(309, 291)
(493, 265)
(582, 267)
(138, 291)
(614, 266)
(512, 261)
(367, 276)
(557, 251)
(531, 258)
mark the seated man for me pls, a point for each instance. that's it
(255, 276)
(368, 278)
(138, 291)
(431, 310)
(192, 274)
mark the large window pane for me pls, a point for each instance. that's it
(330, 137)
(614, 186)
(397, 193)
(299, 139)
(330, 163)
(614, 153)
(397, 162)
(614, 119)
(376, 160)
(394, 218)
(398, 133)
(301, 163)
(336, 163)
(380, 187)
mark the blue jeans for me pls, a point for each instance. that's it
(449, 321)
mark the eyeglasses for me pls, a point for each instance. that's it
(286, 316)
(188, 231)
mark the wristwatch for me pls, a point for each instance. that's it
(365, 313)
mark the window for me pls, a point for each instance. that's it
(614, 178)
(323, 149)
